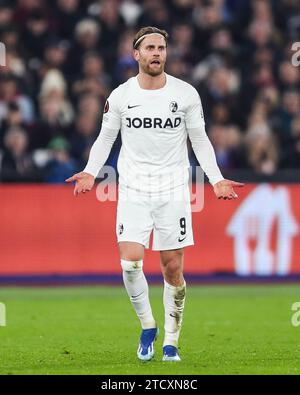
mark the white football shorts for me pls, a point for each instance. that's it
(168, 216)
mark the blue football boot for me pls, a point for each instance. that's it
(145, 350)
(170, 353)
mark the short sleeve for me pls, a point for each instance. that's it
(111, 112)
(194, 117)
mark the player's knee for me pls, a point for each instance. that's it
(173, 260)
(131, 251)
(173, 265)
(132, 265)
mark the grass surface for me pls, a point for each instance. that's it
(93, 330)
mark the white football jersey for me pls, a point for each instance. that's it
(153, 126)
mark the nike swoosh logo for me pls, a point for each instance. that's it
(129, 107)
(180, 240)
(136, 296)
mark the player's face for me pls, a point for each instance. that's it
(151, 55)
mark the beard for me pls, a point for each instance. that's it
(153, 71)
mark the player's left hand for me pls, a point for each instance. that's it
(224, 189)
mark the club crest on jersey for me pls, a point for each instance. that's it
(173, 106)
(106, 107)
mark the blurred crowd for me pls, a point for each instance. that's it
(64, 57)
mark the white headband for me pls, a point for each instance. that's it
(143, 36)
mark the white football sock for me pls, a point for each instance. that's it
(174, 299)
(137, 288)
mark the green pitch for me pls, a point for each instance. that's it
(93, 330)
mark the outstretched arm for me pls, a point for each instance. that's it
(111, 124)
(205, 155)
(98, 156)
(204, 151)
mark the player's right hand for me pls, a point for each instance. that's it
(84, 182)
